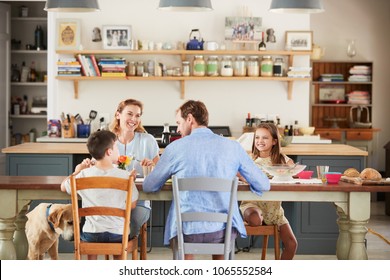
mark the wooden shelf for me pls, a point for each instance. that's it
(183, 54)
(29, 116)
(34, 84)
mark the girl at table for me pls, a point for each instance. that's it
(133, 141)
(266, 151)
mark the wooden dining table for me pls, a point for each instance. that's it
(352, 204)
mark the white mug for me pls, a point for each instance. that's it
(211, 46)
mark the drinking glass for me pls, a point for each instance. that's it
(321, 170)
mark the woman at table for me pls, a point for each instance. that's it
(266, 151)
(133, 141)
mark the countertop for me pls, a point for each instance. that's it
(81, 148)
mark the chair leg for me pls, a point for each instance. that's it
(277, 243)
(265, 246)
(144, 238)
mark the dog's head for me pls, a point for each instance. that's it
(62, 219)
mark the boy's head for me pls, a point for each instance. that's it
(100, 142)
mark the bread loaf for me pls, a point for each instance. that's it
(351, 172)
(370, 174)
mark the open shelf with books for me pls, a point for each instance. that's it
(118, 74)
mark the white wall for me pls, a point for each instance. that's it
(368, 23)
(228, 101)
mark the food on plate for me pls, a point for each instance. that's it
(370, 174)
(351, 172)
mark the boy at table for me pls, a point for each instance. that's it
(101, 146)
(201, 153)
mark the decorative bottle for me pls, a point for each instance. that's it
(166, 135)
(262, 45)
(38, 35)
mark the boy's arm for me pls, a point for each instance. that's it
(86, 163)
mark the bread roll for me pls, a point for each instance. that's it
(351, 172)
(370, 174)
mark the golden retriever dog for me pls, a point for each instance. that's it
(45, 224)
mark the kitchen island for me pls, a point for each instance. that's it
(314, 223)
(351, 201)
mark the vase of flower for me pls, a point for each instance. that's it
(351, 48)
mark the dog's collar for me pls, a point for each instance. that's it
(47, 217)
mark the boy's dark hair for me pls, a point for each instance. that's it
(99, 142)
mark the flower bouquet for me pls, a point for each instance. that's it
(124, 161)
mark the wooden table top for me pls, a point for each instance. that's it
(54, 183)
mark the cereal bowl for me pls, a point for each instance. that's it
(305, 174)
(306, 130)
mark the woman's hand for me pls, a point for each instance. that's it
(146, 162)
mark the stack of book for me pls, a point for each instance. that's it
(68, 67)
(113, 66)
(89, 66)
(299, 72)
(331, 78)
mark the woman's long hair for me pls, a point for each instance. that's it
(115, 124)
(275, 154)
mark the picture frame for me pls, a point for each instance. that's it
(299, 40)
(332, 94)
(243, 29)
(116, 37)
(68, 34)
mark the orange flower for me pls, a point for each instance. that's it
(123, 162)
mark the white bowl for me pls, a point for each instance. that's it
(306, 130)
(283, 172)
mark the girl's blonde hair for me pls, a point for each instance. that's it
(115, 124)
(275, 154)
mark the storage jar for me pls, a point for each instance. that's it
(199, 66)
(212, 66)
(266, 69)
(278, 67)
(185, 68)
(226, 66)
(253, 66)
(239, 66)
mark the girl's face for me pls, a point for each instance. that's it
(263, 140)
(129, 118)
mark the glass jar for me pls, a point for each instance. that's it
(226, 66)
(140, 68)
(278, 67)
(253, 66)
(239, 66)
(199, 66)
(185, 68)
(131, 68)
(212, 66)
(176, 72)
(266, 69)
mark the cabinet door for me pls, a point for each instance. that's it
(39, 165)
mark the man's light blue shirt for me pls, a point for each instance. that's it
(204, 154)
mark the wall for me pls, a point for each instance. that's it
(228, 101)
(366, 22)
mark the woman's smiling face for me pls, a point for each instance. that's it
(129, 118)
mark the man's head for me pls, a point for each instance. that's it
(102, 143)
(191, 114)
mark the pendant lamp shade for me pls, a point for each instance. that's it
(185, 5)
(72, 6)
(297, 6)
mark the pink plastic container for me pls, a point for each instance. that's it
(333, 177)
(305, 174)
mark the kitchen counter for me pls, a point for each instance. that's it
(81, 148)
(47, 139)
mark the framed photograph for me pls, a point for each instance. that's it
(299, 40)
(243, 28)
(68, 34)
(116, 37)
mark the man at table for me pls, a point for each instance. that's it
(201, 153)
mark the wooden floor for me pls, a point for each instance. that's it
(377, 248)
